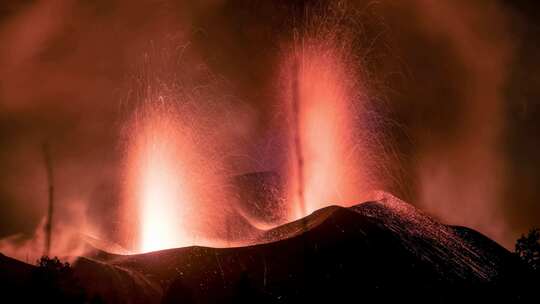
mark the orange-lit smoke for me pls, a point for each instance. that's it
(463, 182)
(70, 235)
(328, 98)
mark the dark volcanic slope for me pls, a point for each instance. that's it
(13, 273)
(384, 251)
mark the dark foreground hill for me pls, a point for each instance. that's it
(384, 251)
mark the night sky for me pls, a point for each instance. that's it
(453, 88)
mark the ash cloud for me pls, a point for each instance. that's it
(452, 84)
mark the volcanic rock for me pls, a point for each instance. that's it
(381, 251)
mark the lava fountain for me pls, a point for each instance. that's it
(176, 192)
(156, 178)
(324, 101)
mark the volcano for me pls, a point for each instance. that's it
(383, 251)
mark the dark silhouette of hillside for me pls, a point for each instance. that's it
(385, 251)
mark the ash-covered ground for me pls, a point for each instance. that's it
(384, 251)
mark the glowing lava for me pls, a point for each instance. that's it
(325, 92)
(161, 191)
(156, 180)
(176, 192)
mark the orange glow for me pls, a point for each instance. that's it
(328, 103)
(176, 191)
(161, 192)
(157, 182)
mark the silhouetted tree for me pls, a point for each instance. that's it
(528, 249)
(53, 265)
(54, 282)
